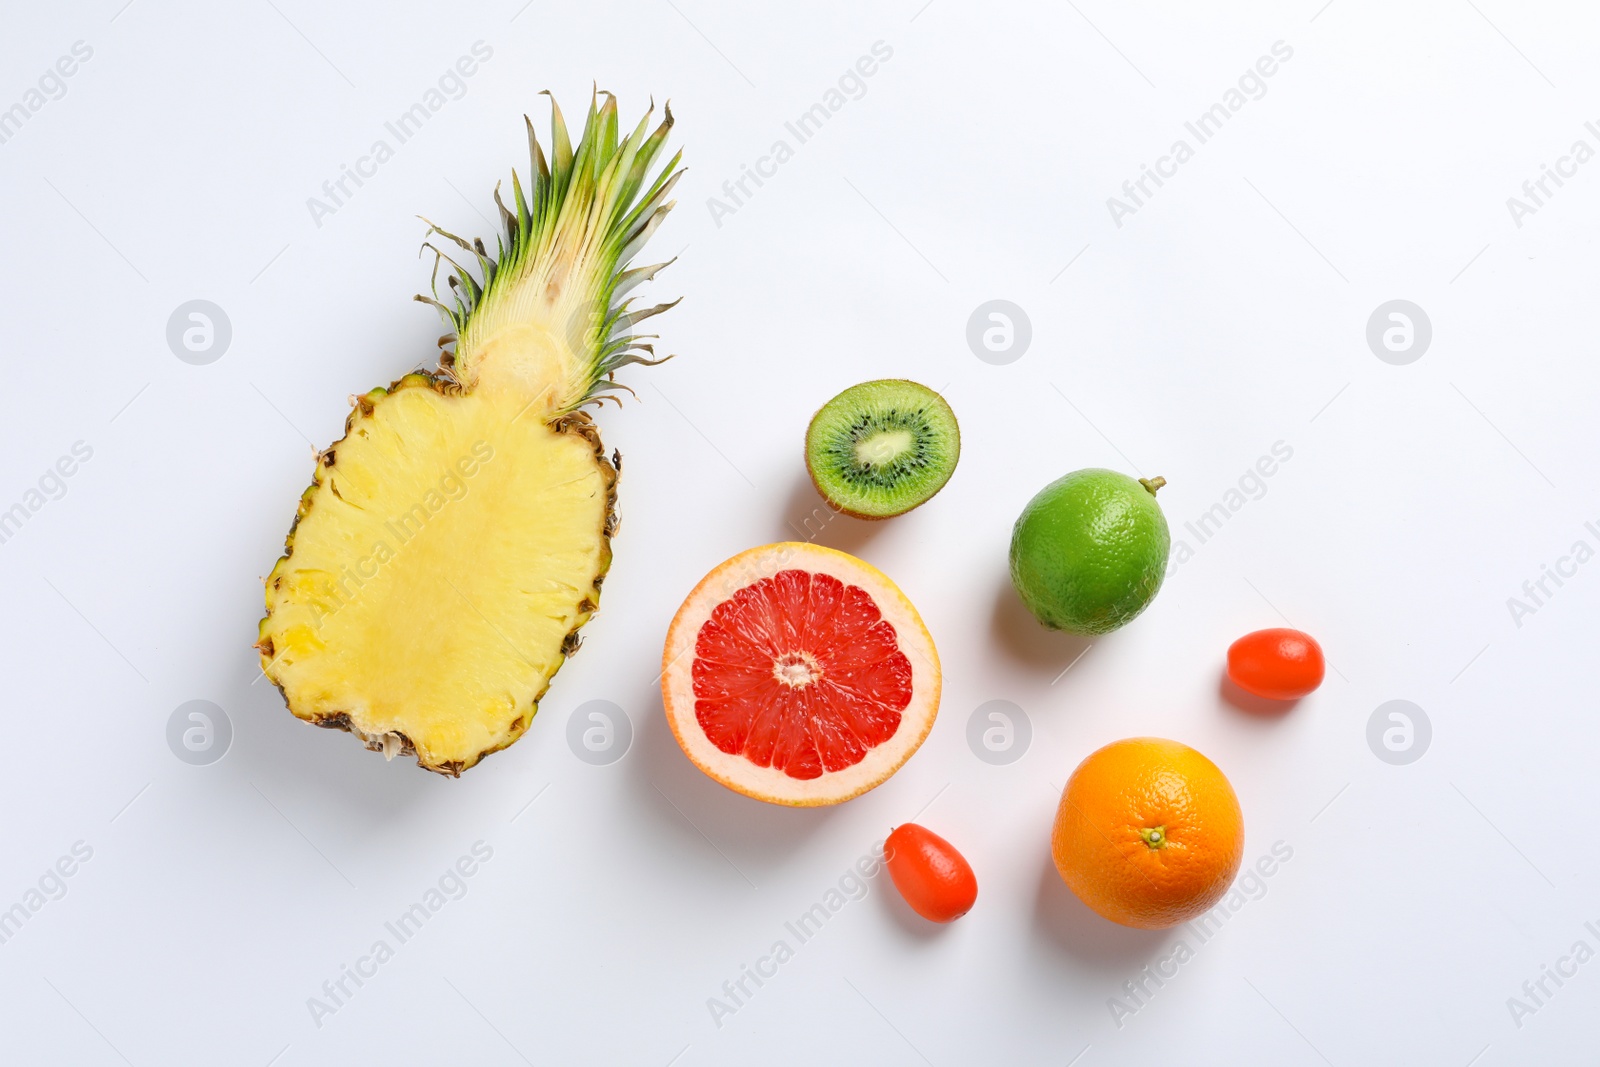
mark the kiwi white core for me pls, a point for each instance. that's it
(884, 447)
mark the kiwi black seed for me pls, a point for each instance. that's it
(879, 449)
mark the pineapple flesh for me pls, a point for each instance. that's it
(454, 540)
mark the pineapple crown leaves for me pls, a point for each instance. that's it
(587, 208)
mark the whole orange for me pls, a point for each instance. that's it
(1149, 833)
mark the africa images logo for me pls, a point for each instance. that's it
(1537, 992)
(1252, 885)
(851, 886)
(52, 485)
(450, 85)
(51, 85)
(805, 126)
(1251, 85)
(451, 885)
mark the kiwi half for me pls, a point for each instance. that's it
(879, 449)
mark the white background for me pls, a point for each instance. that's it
(1227, 314)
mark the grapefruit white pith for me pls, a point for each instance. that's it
(799, 675)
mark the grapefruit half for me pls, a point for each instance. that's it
(799, 675)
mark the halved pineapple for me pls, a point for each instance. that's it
(454, 540)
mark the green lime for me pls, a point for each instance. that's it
(1089, 551)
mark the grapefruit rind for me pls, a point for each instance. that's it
(766, 783)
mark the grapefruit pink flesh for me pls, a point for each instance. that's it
(799, 672)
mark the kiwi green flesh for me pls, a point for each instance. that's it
(881, 448)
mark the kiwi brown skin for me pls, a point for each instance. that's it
(835, 506)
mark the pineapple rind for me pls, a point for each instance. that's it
(281, 597)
